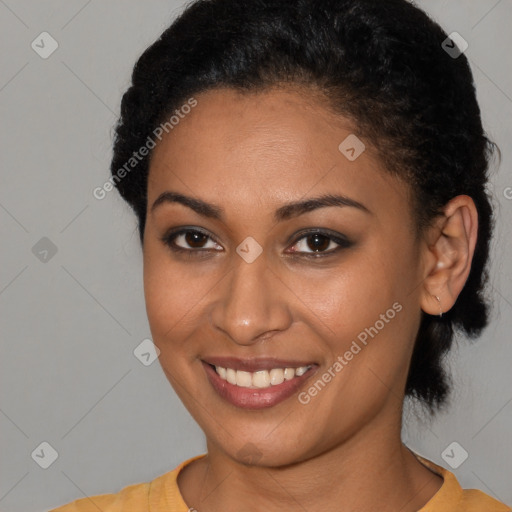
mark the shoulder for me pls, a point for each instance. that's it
(162, 493)
(132, 496)
(451, 497)
(476, 501)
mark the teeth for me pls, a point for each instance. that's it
(243, 379)
(276, 376)
(289, 373)
(231, 376)
(260, 379)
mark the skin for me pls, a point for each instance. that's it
(250, 154)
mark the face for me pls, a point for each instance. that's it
(308, 309)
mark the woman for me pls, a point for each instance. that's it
(309, 181)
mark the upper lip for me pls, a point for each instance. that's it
(255, 364)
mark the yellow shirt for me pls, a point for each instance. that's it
(163, 495)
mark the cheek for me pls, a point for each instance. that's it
(354, 294)
(172, 297)
(365, 314)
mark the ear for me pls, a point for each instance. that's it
(450, 245)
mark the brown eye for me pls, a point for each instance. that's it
(317, 243)
(195, 239)
(190, 241)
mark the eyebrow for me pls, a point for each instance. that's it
(285, 212)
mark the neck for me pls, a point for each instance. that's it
(372, 470)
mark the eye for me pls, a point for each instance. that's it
(189, 241)
(194, 242)
(319, 242)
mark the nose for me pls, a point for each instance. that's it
(252, 303)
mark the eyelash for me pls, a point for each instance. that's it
(343, 243)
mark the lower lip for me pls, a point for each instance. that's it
(255, 398)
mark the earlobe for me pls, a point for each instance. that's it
(451, 248)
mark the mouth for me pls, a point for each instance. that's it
(256, 383)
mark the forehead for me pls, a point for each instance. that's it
(277, 144)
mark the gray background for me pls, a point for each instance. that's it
(70, 324)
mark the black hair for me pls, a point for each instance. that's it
(379, 63)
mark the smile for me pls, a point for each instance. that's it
(256, 383)
(260, 379)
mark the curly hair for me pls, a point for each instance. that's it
(381, 65)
